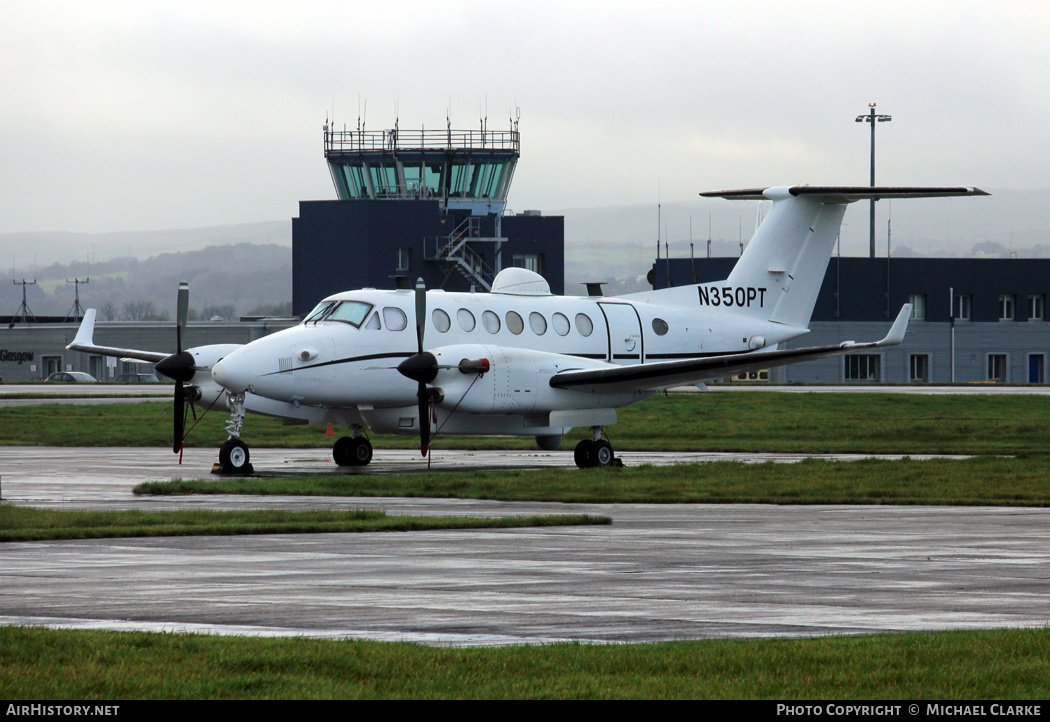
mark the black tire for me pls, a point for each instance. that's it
(342, 451)
(584, 454)
(352, 452)
(234, 457)
(602, 453)
(361, 451)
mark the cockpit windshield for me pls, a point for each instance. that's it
(351, 312)
(320, 310)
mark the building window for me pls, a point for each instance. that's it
(997, 367)
(1006, 307)
(918, 306)
(1035, 307)
(404, 258)
(919, 368)
(863, 367)
(962, 308)
(529, 261)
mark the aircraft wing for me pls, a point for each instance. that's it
(83, 342)
(667, 374)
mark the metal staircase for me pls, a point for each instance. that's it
(454, 253)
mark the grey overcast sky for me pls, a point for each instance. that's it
(149, 115)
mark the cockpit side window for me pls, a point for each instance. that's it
(395, 318)
(351, 312)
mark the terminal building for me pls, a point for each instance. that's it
(973, 319)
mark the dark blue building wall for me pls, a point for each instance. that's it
(857, 289)
(342, 245)
(543, 235)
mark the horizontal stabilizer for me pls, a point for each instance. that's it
(845, 194)
(84, 341)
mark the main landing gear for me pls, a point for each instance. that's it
(596, 451)
(352, 450)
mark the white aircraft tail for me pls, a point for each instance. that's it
(780, 272)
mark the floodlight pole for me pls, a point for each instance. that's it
(872, 118)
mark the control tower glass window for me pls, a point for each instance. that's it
(384, 181)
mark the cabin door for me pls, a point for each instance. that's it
(624, 330)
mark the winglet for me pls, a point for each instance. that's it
(896, 334)
(86, 331)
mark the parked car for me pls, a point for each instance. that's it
(137, 379)
(71, 377)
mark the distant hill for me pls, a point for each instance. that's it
(241, 268)
(225, 280)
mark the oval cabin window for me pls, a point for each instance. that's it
(584, 324)
(560, 324)
(466, 319)
(441, 320)
(491, 322)
(514, 323)
(537, 323)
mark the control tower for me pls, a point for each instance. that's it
(411, 203)
(467, 169)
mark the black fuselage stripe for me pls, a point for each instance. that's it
(351, 359)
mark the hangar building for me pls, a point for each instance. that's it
(973, 319)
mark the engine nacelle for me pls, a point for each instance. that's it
(202, 391)
(517, 381)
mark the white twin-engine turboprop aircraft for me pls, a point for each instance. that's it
(520, 361)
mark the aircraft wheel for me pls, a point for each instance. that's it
(234, 457)
(602, 454)
(342, 452)
(349, 451)
(361, 451)
(584, 454)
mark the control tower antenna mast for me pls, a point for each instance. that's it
(76, 310)
(23, 311)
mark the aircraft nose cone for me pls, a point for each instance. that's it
(232, 373)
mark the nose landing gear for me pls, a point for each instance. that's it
(234, 458)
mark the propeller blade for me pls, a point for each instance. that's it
(421, 312)
(423, 396)
(420, 368)
(182, 311)
(180, 416)
(179, 365)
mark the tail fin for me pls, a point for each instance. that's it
(781, 271)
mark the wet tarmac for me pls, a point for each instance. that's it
(658, 572)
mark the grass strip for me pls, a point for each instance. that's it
(20, 523)
(982, 481)
(972, 665)
(864, 423)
